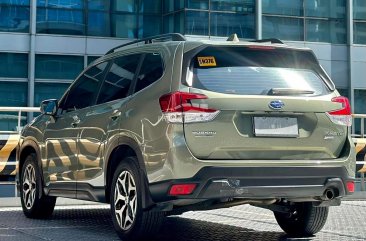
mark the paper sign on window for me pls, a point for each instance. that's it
(207, 61)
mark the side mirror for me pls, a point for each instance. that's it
(49, 107)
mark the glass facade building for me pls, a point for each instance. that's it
(305, 20)
(46, 43)
(210, 17)
(122, 18)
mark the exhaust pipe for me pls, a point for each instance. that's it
(329, 194)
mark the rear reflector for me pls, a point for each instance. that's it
(341, 116)
(351, 186)
(182, 189)
(178, 108)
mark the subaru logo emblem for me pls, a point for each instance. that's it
(276, 105)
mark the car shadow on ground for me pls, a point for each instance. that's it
(96, 224)
(189, 229)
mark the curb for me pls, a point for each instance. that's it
(357, 196)
(15, 202)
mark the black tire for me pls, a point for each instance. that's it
(145, 224)
(35, 203)
(305, 219)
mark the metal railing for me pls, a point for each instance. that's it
(360, 135)
(19, 111)
(362, 118)
(15, 114)
(8, 183)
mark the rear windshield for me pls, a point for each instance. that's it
(252, 71)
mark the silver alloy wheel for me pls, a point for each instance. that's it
(29, 186)
(125, 200)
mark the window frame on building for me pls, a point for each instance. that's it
(179, 17)
(308, 20)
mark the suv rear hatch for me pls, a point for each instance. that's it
(261, 102)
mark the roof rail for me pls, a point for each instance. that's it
(150, 40)
(271, 40)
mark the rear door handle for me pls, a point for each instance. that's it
(75, 124)
(115, 115)
(76, 121)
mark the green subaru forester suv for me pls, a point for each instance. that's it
(164, 125)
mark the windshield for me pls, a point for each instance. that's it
(246, 71)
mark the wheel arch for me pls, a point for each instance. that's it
(126, 147)
(29, 146)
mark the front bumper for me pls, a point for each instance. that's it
(302, 183)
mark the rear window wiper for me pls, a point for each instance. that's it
(289, 91)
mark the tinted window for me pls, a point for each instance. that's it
(359, 9)
(223, 24)
(50, 90)
(60, 20)
(12, 94)
(284, 28)
(151, 70)
(332, 31)
(148, 6)
(246, 6)
(198, 4)
(249, 71)
(125, 5)
(174, 23)
(172, 5)
(359, 32)
(197, 23)
(325, 8)
(118, 80)
(92, 58)
(360, 96)
(283, 7)
(63, 67)
(84, 91)
(14, 18)
(14, 65)
(149, 25)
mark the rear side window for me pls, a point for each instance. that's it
(252, 71)
(152, 69)
(83, 93)
(119, 78)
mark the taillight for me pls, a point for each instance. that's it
(341, 116)
(351, 186)
(178, 108)
(182, 189)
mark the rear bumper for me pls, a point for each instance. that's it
(301, 183)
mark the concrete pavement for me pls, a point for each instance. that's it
(92, 222)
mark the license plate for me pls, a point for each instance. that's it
(276, 126)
